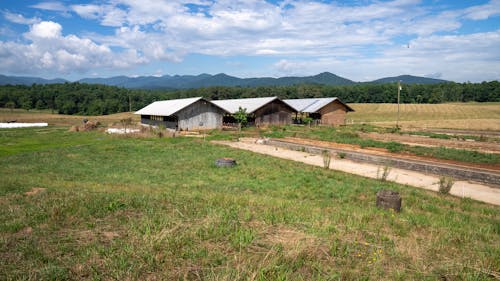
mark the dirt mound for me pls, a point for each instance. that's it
(87, 126)
(34, 191)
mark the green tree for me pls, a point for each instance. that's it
(241, 117)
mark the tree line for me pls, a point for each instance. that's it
(95, 99)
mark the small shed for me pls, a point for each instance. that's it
(326, 111)
(183, 114)
(261, 111)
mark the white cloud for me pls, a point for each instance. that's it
(471, 57)
(49, 50)
(45, 29)
(485, 11)
(19, 19)
(51, 6)
(332, 35)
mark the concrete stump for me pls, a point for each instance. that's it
(225, 162)
(389, 199)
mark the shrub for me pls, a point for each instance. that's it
(383, 173)
(445, 184)
(327, 157)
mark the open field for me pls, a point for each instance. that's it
(33, 116)
(468, 116)
(92, 206)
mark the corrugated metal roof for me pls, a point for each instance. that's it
(312, 105)
(166, 107)
(250, 104)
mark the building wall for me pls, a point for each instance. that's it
(274, 113)
(333, 114)
(201, 115)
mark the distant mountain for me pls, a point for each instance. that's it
(20, 80)
(409, 79)
(221, 79)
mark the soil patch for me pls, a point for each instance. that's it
(415, 140)
(34, 191)
(385, 152)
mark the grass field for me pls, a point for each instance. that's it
(46, 116)
(108, 207)
(470, 116)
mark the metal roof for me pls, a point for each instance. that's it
(312, 105)
(250, 104)
(167, 107)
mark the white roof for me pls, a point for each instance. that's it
(311, 105)
(251, 104)
(166, 107)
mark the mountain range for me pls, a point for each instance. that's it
(207, 80)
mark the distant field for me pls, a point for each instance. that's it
(90, 206)
(470, 116)
(21, 115)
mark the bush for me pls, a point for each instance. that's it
(445, 184)
(327, 157)
(383, 173)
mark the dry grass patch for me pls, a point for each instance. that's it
(477, 116)
(34, 191)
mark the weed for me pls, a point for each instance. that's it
(327, 157)
(383, 172)
(341, 155)
(445, 184)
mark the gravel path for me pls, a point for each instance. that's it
(426, 181)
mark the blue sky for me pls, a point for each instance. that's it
(360, 40)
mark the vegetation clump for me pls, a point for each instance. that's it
(327, 157)
(445, 184)
(383, 172)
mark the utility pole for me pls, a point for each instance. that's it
(399, 91)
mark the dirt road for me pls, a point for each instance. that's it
(426, 181)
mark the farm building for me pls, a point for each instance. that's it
(261, 111)
(183, 114)
(326, 111)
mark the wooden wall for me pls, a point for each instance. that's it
(201, 115)
(273, 113)
(333, 114)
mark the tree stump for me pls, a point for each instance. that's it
(389, 199)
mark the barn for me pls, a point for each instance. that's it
(183, 114)
(326, 111)
(261, 111)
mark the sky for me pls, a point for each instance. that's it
(361, 40)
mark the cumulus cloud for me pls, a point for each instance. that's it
(45, 29)
(333, 36)
(51, 51)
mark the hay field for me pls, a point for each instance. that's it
(21, 115)
(467, 116)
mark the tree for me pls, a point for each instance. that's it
(11, 105)
(241, 117)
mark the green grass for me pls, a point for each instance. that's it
(124, 208)
(349, 135)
